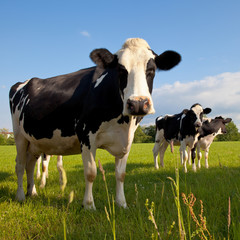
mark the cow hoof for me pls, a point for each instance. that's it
(42, 186)
(20, 196)
(121, 204)
(157, 167)
(32, 192)
(89, 206)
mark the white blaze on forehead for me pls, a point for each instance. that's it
(99, 80)
(134, 56)
(198, 110)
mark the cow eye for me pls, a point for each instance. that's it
(123, 74)
(150, 72)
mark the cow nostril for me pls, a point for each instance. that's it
(146, 105)
(130, 104)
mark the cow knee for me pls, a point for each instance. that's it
(91, 175)
(120, 176)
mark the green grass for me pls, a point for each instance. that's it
(43, 217)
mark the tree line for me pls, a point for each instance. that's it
(143, 134)
(5, 137)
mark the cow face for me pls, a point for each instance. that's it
(221, 122)
(196, 114)
(140, 63)
(137, 64)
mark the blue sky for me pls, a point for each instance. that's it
(49, 38)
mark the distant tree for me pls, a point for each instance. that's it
(3, 130)
(140, 136)
(150, 131)
(10, 141)
(2, 139)
(5, 139)
(231, 135)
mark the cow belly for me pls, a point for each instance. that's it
(57, 145)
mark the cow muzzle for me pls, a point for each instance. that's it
(198, 124)
(138, 106)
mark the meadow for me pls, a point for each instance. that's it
(156, 209)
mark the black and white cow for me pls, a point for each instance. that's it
(180, 128)
(97, 107)
(207, 132)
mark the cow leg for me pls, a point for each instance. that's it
(206, 157)
(199, 155)
(193, 152)
(90, 173)
(60, 167)
(38, 166)
(163, 148)
(21, 158)
(120, 172)
(30, 165)
(183, 155)
(189, 156)
(155, 153)
(45, 163)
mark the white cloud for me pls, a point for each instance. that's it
(3, 86)
(221, 93)
(85, 34)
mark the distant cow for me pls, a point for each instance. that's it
(97, 107)
(207, 132)
(44, 159)
(182, 128)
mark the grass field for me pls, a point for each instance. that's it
(51, 216)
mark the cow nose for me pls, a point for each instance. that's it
(138, 106)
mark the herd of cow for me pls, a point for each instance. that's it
(101, 107)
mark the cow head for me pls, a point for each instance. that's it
(221, 122)
(196, 113)
(137, 65)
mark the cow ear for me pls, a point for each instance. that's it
(185, 111)
(207, 110)
(102, 57)
(227, 120)
(167, 60)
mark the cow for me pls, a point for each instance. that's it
(181, 128)
(97, 107)
(44, 159)
(207, 132)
